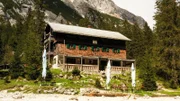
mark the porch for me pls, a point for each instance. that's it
(93, 64)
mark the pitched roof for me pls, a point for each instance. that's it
(76, 30)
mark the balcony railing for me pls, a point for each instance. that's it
(94, 68)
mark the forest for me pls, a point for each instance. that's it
(157, 51)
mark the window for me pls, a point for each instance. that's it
(95, 42)
(90, 61)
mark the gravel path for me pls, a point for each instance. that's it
(18, 96)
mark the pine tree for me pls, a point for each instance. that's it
(147, 72)
(168, 43)
(32, 45)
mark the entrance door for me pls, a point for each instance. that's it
(103, 64)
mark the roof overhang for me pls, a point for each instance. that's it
(76, 30)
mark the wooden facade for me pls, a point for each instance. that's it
(88, 53)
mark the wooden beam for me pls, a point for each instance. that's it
(49, 56)
(121, 63)
(98, 62)
(81, 63)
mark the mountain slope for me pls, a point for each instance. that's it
(67, 11)
(104, 6)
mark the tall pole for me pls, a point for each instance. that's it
(49, 48)
(64, 55)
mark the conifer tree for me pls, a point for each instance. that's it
(32, 45)
(147, 72)
(168, 43)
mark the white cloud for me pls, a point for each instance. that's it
(143, 8)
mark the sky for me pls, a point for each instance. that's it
(143, 8)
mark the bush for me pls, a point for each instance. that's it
(32, 72)
(98, 83)
(16, 70)
(173, 84)
(76, 72)
(7, 79)
(49, 75)
(149, 85)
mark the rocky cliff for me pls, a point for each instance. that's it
(104, 6)
(67, 10)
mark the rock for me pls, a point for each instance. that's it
(50, 91)
(72, 90)
(58, 84)
(61, 75)
(88, 90)
(38, 91)
(123, 87)
(83, 76)
(18, 95)
(177, 97)
(74, 98)
(65, 76)
(45, 91)
(81, 6)
(54, 89)
(60, 90)
(70, 78)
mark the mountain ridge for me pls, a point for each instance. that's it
(68, 11)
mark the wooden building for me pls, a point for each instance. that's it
(87, 49)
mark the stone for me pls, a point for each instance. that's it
(74, 98)
(38, 91)
(60, 90)
(72, 90)
(61, 75)
(177, 97)
(70, 78)
(18, 95)
(50, 91)
(65, 76)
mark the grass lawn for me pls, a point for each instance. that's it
(85, 81)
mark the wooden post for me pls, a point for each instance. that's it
(121, 63)
(64, 62)
(81, 63)
(49, 49)
(98, 63)
(64, 55)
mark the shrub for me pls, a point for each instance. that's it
(7, 79)
(49, 75)
(32, 72)
(98, 83)
(16, 70)
(76, 72)
(149, 85)
(173, 84)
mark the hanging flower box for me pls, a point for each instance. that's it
(116, 50)
(105, 49)
(82, 47)
(95, 48)
(71, 46)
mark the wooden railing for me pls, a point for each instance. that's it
(84, 68)
(117, 69)
(90, 68)
(94, 68)
(70, 67)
